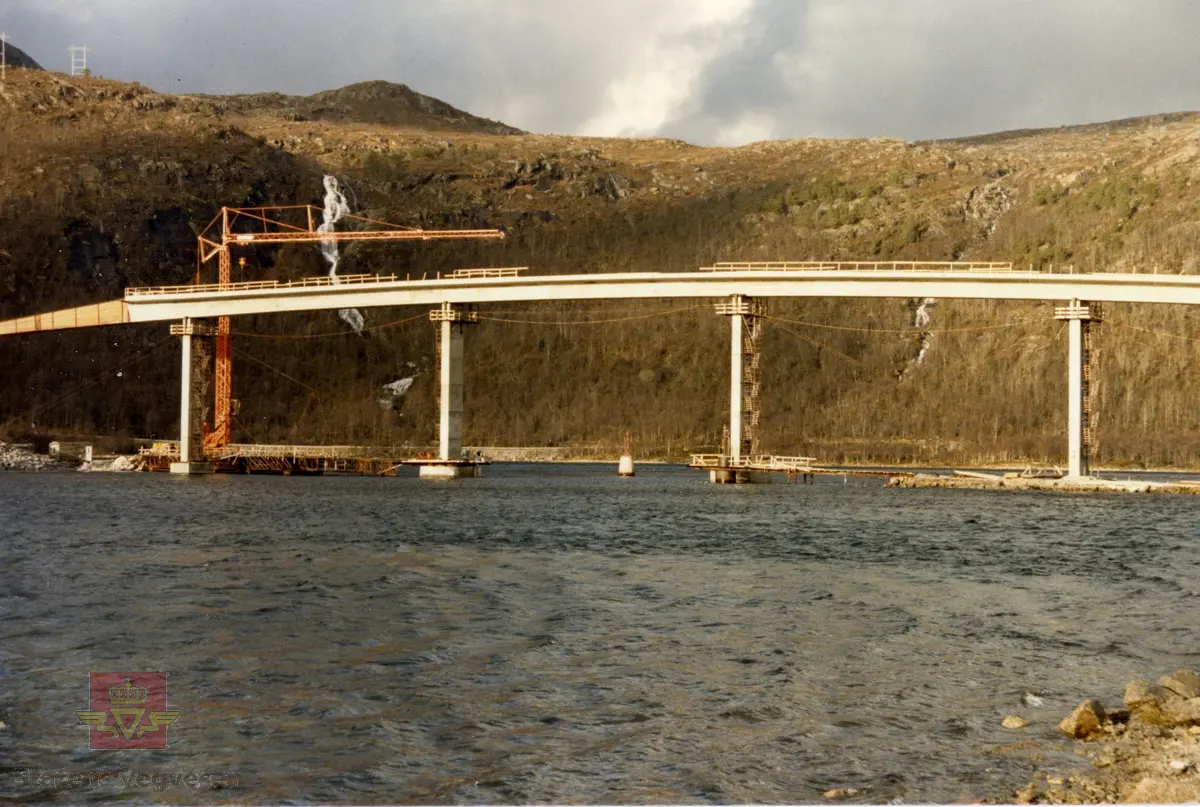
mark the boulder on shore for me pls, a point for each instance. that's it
(1181, 712)
(1144, 703)
(1087, 719)
(1148, 750)
(1173, 701)
(1183, 683)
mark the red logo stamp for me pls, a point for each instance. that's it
(128, 710)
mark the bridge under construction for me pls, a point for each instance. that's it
(199, 315)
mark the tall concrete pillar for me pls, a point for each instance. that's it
(1079, 316)
(186, 443)
(743, 378)
(450, 322)
(735, 381)
(1077, 460)
(191, 449)
(451, 380)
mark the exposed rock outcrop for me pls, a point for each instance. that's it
(15, 57)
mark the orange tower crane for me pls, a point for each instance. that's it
(251, 226)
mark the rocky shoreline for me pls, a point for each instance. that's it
(19, 457)
(970, 480)
(1146, 751)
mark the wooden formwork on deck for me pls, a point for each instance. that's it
(279, 459)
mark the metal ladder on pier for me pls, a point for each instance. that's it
(752, 378)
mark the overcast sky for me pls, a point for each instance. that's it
(707, 71)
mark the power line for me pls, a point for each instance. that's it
(120, 371)
(821, 346)
(331, 333)
(316, 394)
(631, 318)
(912, 330)
(1151, 330)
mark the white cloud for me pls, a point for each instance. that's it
(662, 66)
(751, 127)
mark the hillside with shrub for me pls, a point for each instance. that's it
(104, 185)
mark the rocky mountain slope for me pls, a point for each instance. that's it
(14, 57)
(103, 185)
(375, 102)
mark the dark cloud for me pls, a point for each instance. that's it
(936, 68)
(744, 80)
(704, 70)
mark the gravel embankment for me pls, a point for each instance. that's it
(15, 457)
(1145, 751)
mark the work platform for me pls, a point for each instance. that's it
(728, 470)
(285, 460)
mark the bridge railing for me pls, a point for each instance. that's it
(784, 463)
(503, 271)
(862, 266)
(762, 462)
(340, 280)
(251, 285)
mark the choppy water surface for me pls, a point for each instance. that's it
(554, 633)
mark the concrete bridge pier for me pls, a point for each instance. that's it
(745, 325)
(1081, 410)
(191, 443)
(737, 315)
(451, 322)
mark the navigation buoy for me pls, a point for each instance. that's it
(625, 465)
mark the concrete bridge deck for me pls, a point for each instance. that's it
(740, 284)
(785, 279)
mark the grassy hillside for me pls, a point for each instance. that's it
(102, 185)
